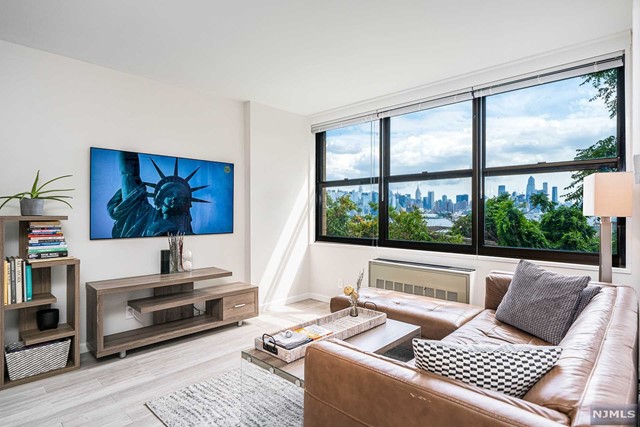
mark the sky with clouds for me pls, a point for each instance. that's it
(542, 123)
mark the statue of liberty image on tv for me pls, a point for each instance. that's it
(149, 196)
(170, 211)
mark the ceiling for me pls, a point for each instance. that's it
(306, 56)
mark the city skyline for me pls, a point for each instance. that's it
(439, 203)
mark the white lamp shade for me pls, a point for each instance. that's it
(608, 194)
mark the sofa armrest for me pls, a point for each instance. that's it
(497, 284)
(347, 387)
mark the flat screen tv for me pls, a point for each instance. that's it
(146, 195)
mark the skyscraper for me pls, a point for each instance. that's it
(545, 188)
(554, 194)
(418, 194)
(432, 196)
(462, 198)
(502, 189)
(531, 187)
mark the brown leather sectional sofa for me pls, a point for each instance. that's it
(348, 387)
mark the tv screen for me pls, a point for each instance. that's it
(146, 195)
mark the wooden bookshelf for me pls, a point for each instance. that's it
(42, 298)
(171, 305)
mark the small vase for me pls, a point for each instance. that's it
(175, 261)
(353, 311)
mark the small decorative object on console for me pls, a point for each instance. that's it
(175, 246)
(165, 261)
(187, 261)
(354, 294)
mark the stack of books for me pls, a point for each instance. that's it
(18, 286)
(292, 339)
(46, 240)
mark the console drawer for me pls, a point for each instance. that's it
(239, 305)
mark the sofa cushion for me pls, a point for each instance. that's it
(599, 362)
(509, 369)
(437, 318)
(485, 329)
(586, 296)
(541, 302)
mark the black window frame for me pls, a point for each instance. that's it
(478, 173)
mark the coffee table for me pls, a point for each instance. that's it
(378, 340)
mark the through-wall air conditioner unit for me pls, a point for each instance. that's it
(436, 281)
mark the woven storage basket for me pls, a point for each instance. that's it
(26, 361)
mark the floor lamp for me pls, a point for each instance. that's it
(605, 195)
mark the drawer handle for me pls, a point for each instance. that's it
(239, 305)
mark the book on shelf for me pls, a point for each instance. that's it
(5, 281)
(48, 243)
(46, 240)
(59, 258)
(48, 249)
(19, 280)
(315, 331)
(45, 225)
(48, 255)
(12, 278)
(28, 284)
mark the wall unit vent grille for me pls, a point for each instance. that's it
(435, 281)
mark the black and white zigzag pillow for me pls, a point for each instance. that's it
(509, 369)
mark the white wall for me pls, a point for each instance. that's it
(279, 145)
(330, 263)
(53, 109)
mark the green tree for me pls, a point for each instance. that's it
(606, 85)
(408, 225)
(604, 148)
(462, 226)
(566, 228)
(338, 218)
(363, 226)
(540, 200)
(506, 225)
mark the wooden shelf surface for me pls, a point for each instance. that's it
(151, 304)
(70, 367)
(151, 334)
(33, 218)
(36, 336)
(137, 283)
(38, 299)
(53, 262)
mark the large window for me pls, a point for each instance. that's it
(348, 194)
(497, 174)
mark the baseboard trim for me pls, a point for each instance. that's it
(319, 297)
(295, 298)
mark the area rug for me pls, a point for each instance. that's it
(249, 397)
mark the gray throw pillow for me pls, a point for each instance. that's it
(509, 369)
(586, 296)
(540, 302)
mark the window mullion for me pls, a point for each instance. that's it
(385, 165)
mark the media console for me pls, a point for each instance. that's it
(171, 305)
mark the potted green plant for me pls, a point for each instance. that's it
(32, 202)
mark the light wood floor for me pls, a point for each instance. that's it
(113, 391)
